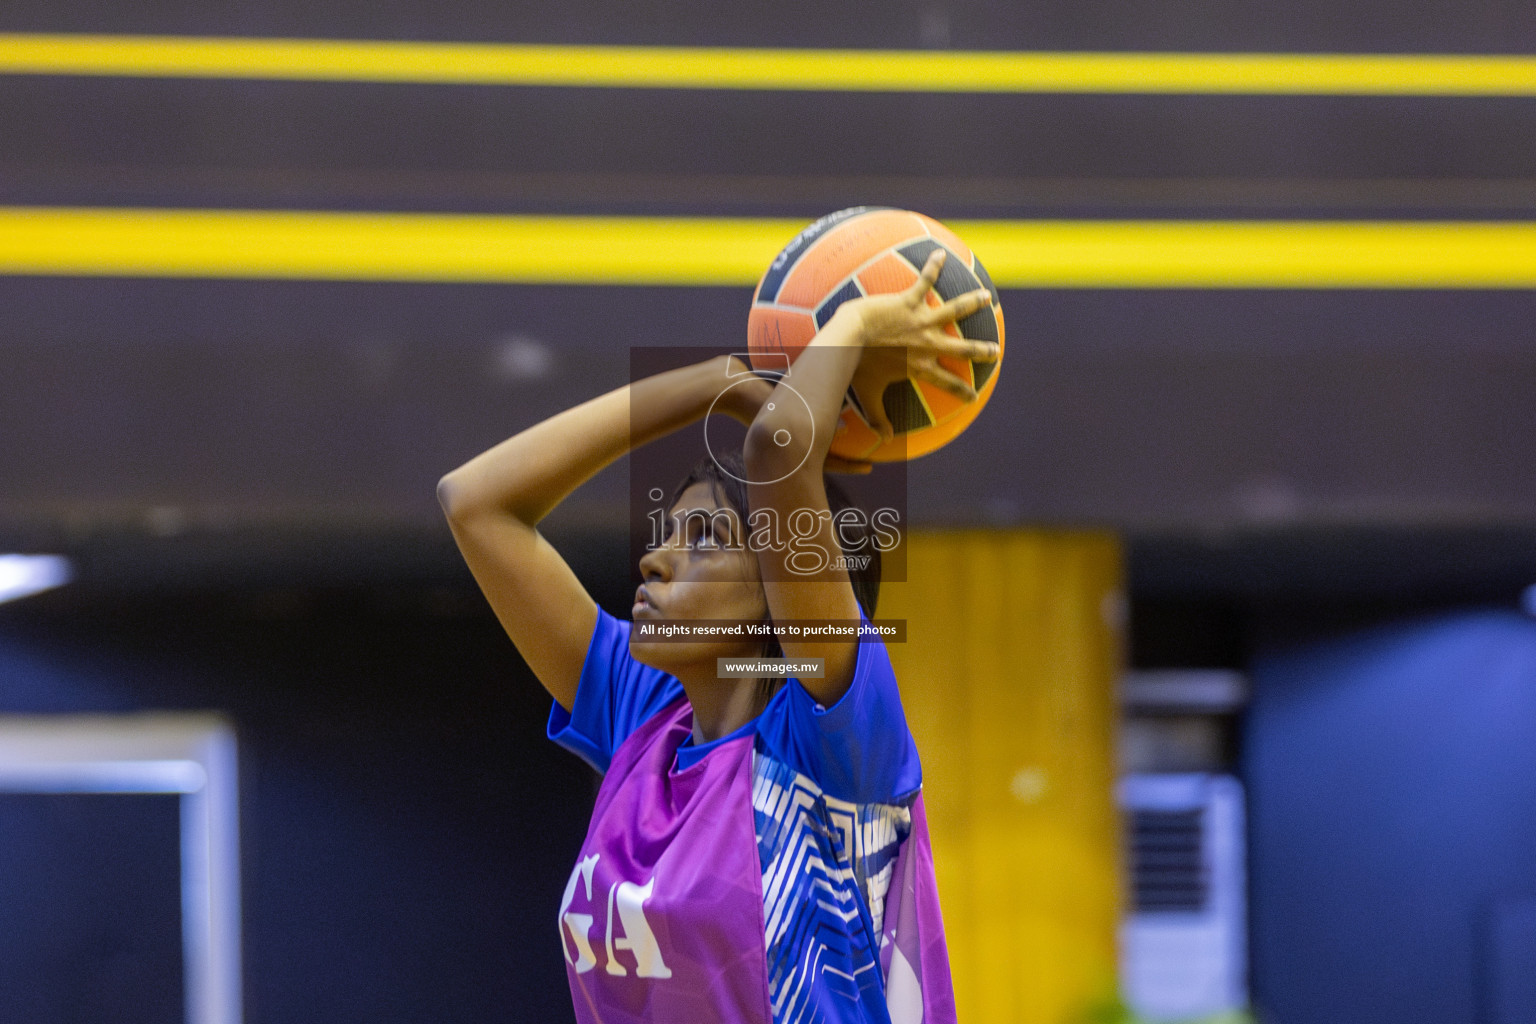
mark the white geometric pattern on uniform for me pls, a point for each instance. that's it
(827, 865)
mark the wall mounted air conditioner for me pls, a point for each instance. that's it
(1183, 941)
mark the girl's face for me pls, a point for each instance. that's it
(703, 570)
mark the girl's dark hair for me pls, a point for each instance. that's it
(726, 477)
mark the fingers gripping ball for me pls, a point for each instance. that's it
(865, 251)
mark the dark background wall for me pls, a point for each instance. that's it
(1392, 780)
(1494, 26)
(146, 406)
(406, 827)
(90, 907)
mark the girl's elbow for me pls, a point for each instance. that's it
(451, 497)
(763, 454)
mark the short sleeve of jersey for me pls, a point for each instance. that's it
(614, 696)
(860, 748)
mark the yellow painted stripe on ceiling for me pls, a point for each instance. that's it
(717, 251)
(664, 67)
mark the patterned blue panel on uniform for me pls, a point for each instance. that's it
(827, 865)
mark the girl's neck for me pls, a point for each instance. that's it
(721, 706)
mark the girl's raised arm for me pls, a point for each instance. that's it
(869, 343)
(494, 503)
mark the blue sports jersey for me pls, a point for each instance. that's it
(859, 749)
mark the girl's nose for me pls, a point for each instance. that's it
(656, 564)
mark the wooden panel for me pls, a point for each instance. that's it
(1014, 643)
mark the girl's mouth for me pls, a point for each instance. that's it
(643, 604)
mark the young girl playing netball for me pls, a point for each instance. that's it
(757, 851)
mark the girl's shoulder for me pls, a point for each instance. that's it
(859, 749)
(615, 696)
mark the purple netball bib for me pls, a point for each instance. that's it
(783, 874)
(662, 918)
(913, 954)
